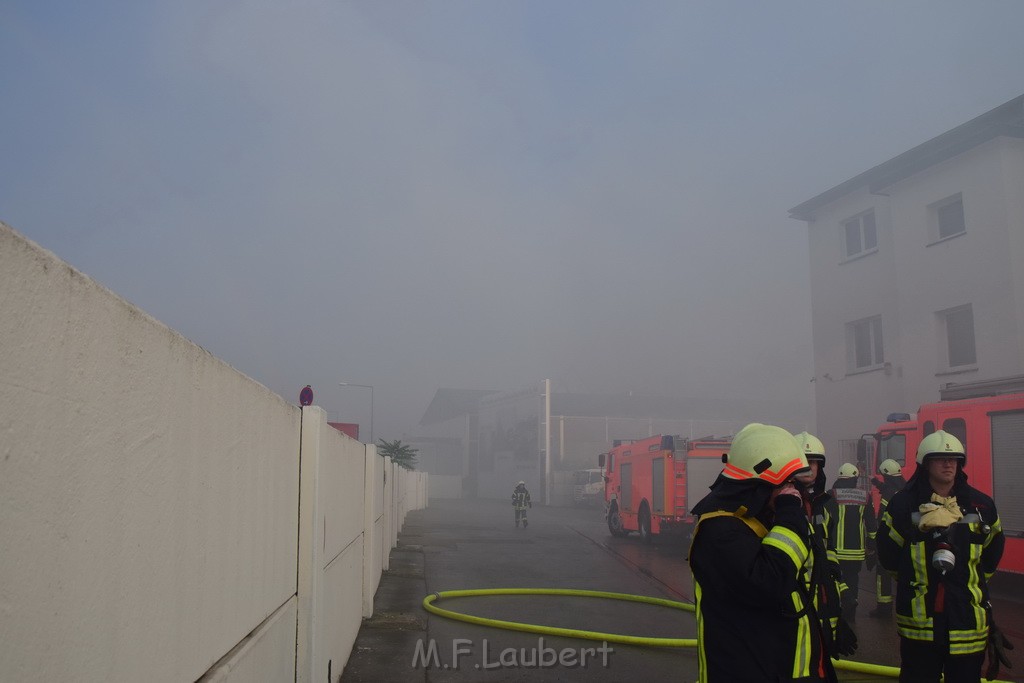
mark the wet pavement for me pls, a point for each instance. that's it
(473, 544)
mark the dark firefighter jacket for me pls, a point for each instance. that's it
(753, 621)
(520, 498)
(854, 520)
(928, 603)
(823, 571)
(889, 487)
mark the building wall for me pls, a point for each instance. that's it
(150, 500)
(911, 278)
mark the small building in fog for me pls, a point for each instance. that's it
(916, 275)
(480, 443)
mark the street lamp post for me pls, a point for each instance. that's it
(365, 386)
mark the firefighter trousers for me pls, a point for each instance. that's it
(924, 661)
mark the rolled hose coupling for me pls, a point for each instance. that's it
(943, 557)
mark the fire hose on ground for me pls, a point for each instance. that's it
(428, 604)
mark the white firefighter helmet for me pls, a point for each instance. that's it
(764, 452)
(521, 483)
(890, 468)
(942, 444)
(811, 446)
(848, 469)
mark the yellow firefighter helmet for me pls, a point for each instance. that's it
(811, 446)
(764, 452)
(890, 468)
(942, 444)
(848, 469)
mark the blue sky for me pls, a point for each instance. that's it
(475, 194)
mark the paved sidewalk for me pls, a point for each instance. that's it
(469, 544)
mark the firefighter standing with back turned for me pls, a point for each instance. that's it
(521, 501)
(852, 532)
(944, 540)
(755, 616)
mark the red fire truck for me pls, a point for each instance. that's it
(651, 484)
(988, 418)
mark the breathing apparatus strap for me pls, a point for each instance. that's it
(739, 514)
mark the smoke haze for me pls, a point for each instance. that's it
(419, 195)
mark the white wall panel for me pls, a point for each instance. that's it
(148, 490)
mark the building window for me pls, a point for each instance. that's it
(957, 326)
(947, 218)
(860, 234)
(864, 343)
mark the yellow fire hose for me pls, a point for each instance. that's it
(428, 604)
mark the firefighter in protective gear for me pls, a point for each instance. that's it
(825, 574)
(942, 611)
(892, 482)
(521, 501)
(851, 531)
(749, 555)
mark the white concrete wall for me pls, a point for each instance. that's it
(330, 580)
(267, 654)
(150, 501)
(148, 491)
(373, 527)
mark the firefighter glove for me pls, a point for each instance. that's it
(997, 647)
(846, 639)
(870, 560)
(789, 512)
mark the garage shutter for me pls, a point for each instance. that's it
(1008, 470)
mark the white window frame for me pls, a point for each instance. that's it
(934, 214)
(944, 341)
(855, 332)
(858, 222)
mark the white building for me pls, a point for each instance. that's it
(917, 276)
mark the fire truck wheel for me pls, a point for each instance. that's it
(645, 523)
(615, 522)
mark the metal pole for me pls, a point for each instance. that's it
(547, 442)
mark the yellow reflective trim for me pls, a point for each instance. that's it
(702, 657)
(969, 634)
(919, 560)
(915, 634)
(893, 534)
(802, 657)
(785, 540)
(974, 587)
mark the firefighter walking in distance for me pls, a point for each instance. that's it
(521, 501)
(852, 530)
(825, 572)
(749, 557)
(892, 482)
(943, 539)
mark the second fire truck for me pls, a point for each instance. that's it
(988, 419)
(650, 484)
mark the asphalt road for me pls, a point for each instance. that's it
(473, 544)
